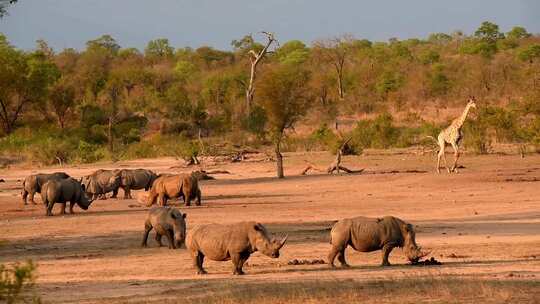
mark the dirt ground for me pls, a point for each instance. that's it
(483, 223)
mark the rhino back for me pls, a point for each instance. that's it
(217, 241)
(370, 234)
(136, 179)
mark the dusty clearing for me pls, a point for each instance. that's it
(483, 224)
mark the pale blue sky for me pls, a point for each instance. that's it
(70, 23)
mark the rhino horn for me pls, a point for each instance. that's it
(283, 241)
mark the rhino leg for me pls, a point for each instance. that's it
(387, 248)
(25, 196)
(332, 256)
(158, 239)
(50, 206)
(127, 193)
(32, 197)
(147, 229)
(198, 201)
(170, 237)
(198, 258)
(71, 204)
(63, 209)
(187, 199)
(341, 258)
(238, 261)
(114, 193)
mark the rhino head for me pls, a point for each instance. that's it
(115, 179)
(84, 201)
(178, 221)
(411, 249)
(268, 246)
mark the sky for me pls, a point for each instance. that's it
(194, 23)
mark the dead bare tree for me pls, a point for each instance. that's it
(335, 165)
(255, 58)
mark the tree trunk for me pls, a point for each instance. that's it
(279, 159)
(110, 136)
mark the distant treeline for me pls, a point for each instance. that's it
(108, 102)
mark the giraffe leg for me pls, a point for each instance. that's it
(456, 156)
(441, 154)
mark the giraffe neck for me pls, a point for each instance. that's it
(461, 120)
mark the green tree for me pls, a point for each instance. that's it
(159, 48)
(488, 32)
(62, 100)
(284, 95)
(24, 79)
(518, 32)
(106, 42)
(293, 52)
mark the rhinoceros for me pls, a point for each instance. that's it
(172, 186)
(62, 191)
(235, 242)
(166, 221)
(135, 179)
(101, 182)
(32, 184)
(370, 234)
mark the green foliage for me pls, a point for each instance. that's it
(430, 57)
(159, 48)
(439, 84)
(283, 93)
(488, 32)
(529, 53)
(518, 32)
(256, 121)
(88, 153)
(293, 52)
(476, 137)
(105, 42)
(16, 282)
(324, 137)
(377, 133)
(389, 81)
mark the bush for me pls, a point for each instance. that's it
(51, 150)
(15, 282)
(88, 153)
(256, 121)
(476, 137)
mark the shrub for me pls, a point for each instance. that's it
(51, 150)
(476, 137)
(15, 282)
(88, 153)
(255, 122)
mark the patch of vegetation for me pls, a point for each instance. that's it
(411, 290)
(17, 283)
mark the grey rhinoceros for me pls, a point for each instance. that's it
(135, 179)
(166, 221)
(32, 184)
(101, 182)
(235, 242)
(62, 191)
(370, 234)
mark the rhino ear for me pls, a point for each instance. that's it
(257, 227)
(184, 215)
(171, 212)
(409, 227)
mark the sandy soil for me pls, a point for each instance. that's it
(481, 223)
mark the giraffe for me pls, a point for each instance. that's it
(453, 136)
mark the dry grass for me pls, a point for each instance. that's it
(417, 290)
